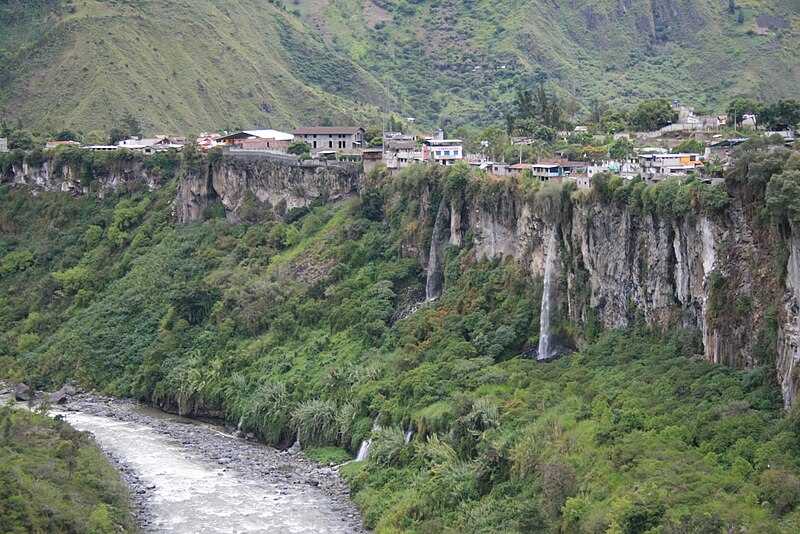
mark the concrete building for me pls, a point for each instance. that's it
(627, 168)
(371, 157)
(257, 140)
(556, 170)
(656, 166)
(319, 138)
(146, 146)
(443, 151)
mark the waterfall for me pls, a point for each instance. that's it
(363, 450)
(439, 239)
(410, 432)
(545, 351)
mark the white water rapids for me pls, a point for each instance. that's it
(192, 494)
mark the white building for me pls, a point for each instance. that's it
(146, 146)
(443, 151)
(664, 165)
(628, 168)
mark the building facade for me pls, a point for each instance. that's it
(325, 138)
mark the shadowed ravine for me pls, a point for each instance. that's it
(195, 478)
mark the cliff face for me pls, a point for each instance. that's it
(708, 275)
(277, 185)
(716, 276)
(67, 179)
(789, 328)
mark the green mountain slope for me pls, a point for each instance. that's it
(457, 61)
(182, 65)
(175, 67)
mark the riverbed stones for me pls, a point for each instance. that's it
(22, 392)
(58, 397)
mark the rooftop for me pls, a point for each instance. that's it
(328, 130)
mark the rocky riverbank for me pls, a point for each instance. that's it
(287, 471)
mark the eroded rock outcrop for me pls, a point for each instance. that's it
(277, 185)
(68, 178)
(703, 273)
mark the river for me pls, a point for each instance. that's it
(191, 477)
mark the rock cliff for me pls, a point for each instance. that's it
(278, 185)
(68, 178)
(705, 274)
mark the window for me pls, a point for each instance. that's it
(330, 144)
(438, 152)
(446, 152)
(455, 152)
(315, 144)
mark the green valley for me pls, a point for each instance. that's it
(310, 326)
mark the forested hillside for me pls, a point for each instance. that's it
(178, 67)
(304, 327)
(188, 66)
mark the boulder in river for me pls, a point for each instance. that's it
(22, 392)
(58, 397)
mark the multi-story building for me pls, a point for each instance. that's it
(325, 138)
(442, 151)
(656, 166)
(258, 140)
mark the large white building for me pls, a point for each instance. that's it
(442, 151)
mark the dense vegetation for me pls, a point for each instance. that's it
(55, 479)
(193, 66)
(292, 327)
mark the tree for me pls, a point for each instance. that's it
(620, 149)
(22, 140)
(299, 148)
(67, 135)
(783, 197)
(549, 108)
(652, 115)
(592, 153)
(128, 127)
(95, 137)
(691, 146)
(599, 108)
(496, 140)
(613, 121)
(526, 107)
(782, 115)
(739, 107)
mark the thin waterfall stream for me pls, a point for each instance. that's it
(545, 350)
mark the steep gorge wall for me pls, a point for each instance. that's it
(706, 274)
(67, 178)
(714, 275)
(277, 185)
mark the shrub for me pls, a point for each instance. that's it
(387, 445)
(315, 422)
